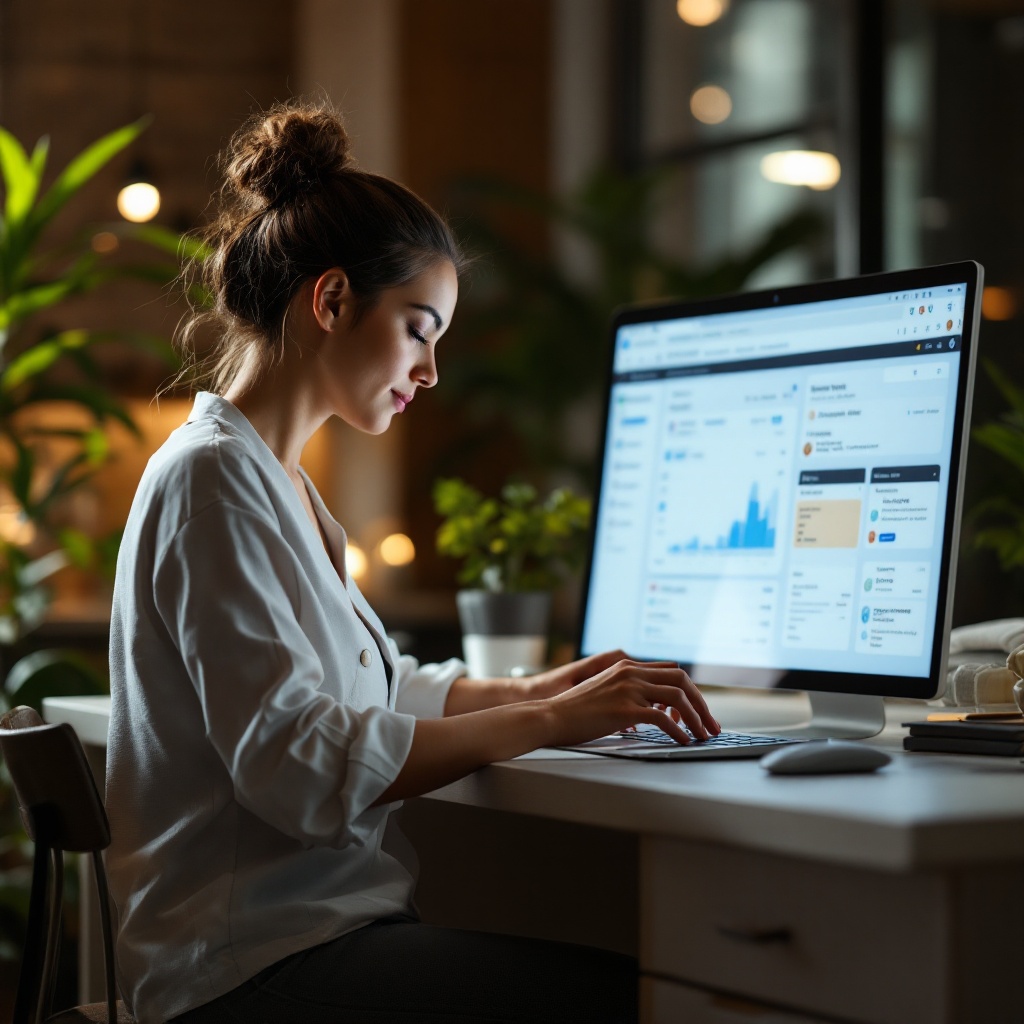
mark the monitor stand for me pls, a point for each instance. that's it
(846, 716)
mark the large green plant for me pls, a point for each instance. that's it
(42, 363)
(537, 329)
(1004, 511)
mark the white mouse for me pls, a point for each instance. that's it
(824, 757)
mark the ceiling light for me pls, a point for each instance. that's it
(701, 12)
(139, 200)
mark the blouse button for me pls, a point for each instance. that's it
(364, 658)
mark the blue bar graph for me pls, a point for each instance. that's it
(756, 531)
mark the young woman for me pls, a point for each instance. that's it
(263, 725)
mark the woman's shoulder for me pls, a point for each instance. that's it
(204, 463)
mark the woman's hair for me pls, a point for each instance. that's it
(293, 205)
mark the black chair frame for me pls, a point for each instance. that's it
(62, 812)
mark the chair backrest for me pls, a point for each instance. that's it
(53, 783)
(62, 811)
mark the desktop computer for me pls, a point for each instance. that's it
(780, 486)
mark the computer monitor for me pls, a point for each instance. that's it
(780, 488)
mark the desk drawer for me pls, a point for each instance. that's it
(862, 945)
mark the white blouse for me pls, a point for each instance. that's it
(258, 711)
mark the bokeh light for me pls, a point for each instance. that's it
(397, 549)
(710, 104)
(138, 202)
(998, 303)
(701, 12)
(105, 242)
(356, 562)
(801, 167)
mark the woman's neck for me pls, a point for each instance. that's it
(282, 411)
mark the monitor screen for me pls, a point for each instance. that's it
(779, 485)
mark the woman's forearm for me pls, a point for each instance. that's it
(446, 749)
(467, 694)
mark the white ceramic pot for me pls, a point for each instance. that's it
(503, 631)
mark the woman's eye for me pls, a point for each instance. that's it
(416, 334)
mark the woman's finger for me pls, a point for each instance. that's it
(651, 716)
(676, 697)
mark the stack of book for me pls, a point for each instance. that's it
(1003, 737)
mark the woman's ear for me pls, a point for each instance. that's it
(332, 298)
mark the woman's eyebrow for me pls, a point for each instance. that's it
(429, 309)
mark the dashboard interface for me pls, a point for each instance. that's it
(775, 483)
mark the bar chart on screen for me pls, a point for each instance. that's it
(727, 476)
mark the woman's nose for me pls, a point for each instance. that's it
(425, 372)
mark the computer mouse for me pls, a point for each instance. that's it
(824, 757)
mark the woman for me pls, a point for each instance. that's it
(263, 725)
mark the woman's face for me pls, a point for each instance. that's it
(378, 361)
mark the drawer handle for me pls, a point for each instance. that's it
(757, 936)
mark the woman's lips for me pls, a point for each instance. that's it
(401, 401)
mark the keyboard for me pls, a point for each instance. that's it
(652, 734)
(649, 743)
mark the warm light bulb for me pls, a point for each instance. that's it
(710, 104)
(801, 167)
(701, 12)
(397, 549)
(356, 562)
(138, 202)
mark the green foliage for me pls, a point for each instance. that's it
(40, 363)
(516, 542)
(1004, 437)
(537, 331)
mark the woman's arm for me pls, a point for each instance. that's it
(622, 694)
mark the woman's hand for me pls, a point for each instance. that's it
(557, 680)
(627, 693)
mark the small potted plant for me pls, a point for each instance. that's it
(515, 549)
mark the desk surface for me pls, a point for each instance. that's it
(922, 810)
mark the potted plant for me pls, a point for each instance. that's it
(515, 549)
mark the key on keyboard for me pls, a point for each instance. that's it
(652, 734)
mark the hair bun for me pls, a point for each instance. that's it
(280, 154)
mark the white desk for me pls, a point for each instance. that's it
(893, 897)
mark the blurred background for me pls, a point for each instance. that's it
(590, 152)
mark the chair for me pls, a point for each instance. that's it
(62, 811)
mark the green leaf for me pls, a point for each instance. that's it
(31, 300)
(96, 445)
(182, 247)
(20, 179)
(40, 358)
(78, 546)
(21, 475)
(81, 169)
(101, 405)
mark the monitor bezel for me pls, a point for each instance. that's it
(883, 685)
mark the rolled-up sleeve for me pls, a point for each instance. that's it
(228, 590)
(423, 689)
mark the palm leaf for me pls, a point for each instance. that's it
(80, 170)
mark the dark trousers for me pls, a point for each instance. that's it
(400, 971)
